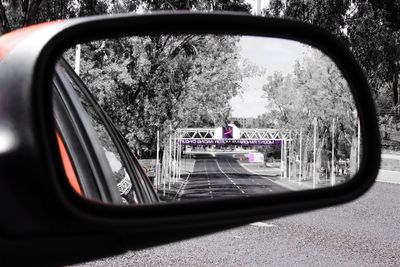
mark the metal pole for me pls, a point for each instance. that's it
(179, 156)
(176, 167)
(157, 159)
(301, 151)
(285, 159)
(282, 158)
(174, 159)
(315, 155)
(258, 8)
(164, 170)
(77, 59)
(333, 153)
(185, 158)
(358, 144)
(170, 158)
(290, 156)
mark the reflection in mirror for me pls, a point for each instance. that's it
(210, 116)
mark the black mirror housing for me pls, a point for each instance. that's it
(46, 218)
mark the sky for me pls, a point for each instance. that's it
(270, 54)
(253, 3)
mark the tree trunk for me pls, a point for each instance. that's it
(395, 83)
(319, 163)
(306, 166)
(4, 25)
(353, 155)
(395, 89)
(305, 161)
(30, 10)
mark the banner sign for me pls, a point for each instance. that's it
(232, 142)
(256, 157)
(227, 132)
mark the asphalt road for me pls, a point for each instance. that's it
(365, 232)
(222, 176)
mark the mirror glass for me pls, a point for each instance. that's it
(147, 119)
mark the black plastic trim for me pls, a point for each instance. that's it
(67, 131)
(142, 226)
(139, 187)
(92, 148)
(110, 27)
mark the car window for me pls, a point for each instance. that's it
(111, 152)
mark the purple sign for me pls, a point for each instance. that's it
(232, 142)
(227, 132)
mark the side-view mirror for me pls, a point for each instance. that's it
(124, 132)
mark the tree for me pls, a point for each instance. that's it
(371, 29)
(316, 90)
(187, 81)
(210, 5)
(16, 14)
(375, 43)
(149, 84)
(329, 14)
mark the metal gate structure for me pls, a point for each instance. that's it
(169, 172)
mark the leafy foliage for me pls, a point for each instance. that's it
(147, 84)
(372, 31)
(316, 90)
(154, 83)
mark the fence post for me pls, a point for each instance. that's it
(179, 156)
(333, 176)
(157, 160)
(174, 158)
(301, 156)
(315, 155)
(358, 143)
(77, 59)
(282, 143)
(164, 169)
(170, 158)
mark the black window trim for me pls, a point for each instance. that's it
(88, 139)
(145, 192)
(67, 132)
